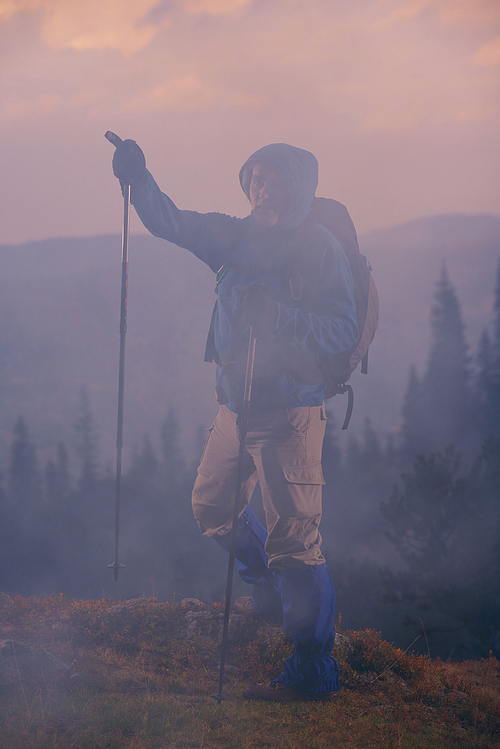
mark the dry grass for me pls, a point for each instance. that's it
(147, 687)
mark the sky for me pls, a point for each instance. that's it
(398, 99)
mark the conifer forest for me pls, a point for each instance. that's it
(414, 551)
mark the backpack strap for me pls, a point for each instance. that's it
(364, 363)
(211, 353)
(341, 389)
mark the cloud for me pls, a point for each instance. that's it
(401, 11)
(10, 8)
(187, 93)
(89, 103)
(214, 7)
(462, 12)
(488, 55)
(16, 107)
(468, 12)
(90, 24)
(385, 64)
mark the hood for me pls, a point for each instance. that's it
(298, 167)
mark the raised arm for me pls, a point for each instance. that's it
(209, 236)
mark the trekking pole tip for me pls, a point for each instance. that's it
(219, 697)
(116, 566)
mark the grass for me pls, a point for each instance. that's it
(145, 686)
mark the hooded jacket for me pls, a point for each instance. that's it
(322, 321)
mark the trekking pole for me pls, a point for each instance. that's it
(116, 566)
(247, 393)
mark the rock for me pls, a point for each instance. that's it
(230, 669)
(133, 604)
(398, 682)
(21, 663)
(369, 677)
(5, 601)
(193, 604)
(119, 610)
(342, 640)
(205, 621)
(460, 696)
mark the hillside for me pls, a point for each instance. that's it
(146, 672)
(59, 310)
(407, 261)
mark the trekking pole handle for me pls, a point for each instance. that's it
(113, 138)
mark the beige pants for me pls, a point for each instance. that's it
(283, 453)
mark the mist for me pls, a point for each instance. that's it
(399, 103)
(59, 369)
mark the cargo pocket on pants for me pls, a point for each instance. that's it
(300, 527)
(209, 432)
(312, 474)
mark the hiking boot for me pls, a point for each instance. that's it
(277, 692)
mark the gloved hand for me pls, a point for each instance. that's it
(259, 309)
(129, 164)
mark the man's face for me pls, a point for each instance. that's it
(269, 196)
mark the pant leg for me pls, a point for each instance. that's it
(308, 599)
(215, 485)
(252, 565)
(213, 507)
(286, 450)
(286, 447)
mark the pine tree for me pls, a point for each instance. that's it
(484, 384)
(447, 531)
(371, 446)
(447, 396)
(86, 443)
(391, 457)
(413, 429)
(496, 322)
(29, 557)
(173, 461)
(24, 478)
(488, 384)
(57, 477)
(6, 533)
(145, 463)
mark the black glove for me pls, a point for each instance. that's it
(129, 164)
(259, 309)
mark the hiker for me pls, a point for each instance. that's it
(289, 278)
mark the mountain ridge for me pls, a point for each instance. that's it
(59, 315)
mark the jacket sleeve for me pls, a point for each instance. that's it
(334, 329)
(209, 236)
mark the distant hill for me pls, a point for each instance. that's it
(59, 313)
(407, 261)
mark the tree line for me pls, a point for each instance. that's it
(434, 497)
(411, 526)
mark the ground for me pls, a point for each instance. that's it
(148, 671)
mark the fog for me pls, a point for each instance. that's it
(59, 369)
(399, 102)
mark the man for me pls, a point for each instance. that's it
(288, 277)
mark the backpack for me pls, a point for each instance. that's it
(337, 368)
(333, 369)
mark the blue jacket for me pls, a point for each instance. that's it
(322, 322)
